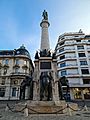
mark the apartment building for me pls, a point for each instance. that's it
(73, 62)
(15, 65)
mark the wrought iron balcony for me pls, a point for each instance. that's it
(16, 66)
(19, 73)
(6, 65)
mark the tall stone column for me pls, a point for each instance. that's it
(44, 35)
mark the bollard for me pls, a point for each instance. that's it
(26, 111)
(69, 110)
(85, 108)
(7, 109)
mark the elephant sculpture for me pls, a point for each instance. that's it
(45, 86)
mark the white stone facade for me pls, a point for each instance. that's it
(13, 69)
(73, 61)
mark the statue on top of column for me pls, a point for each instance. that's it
(45, 15)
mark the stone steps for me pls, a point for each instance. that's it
(45, 107)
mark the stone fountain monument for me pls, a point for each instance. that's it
(45, 73)
(45, 78)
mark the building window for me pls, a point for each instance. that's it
(81, 54)
(5, 71)
(85, 71)
(6, 61)
(62, 38)
(2, 92)
(62, 43)
(76, 36)
(62, 64)
(86, 81)
(63, 73)
(77, 93)
(17, 62)
(62, 57)
(3, 61)
(78, 40)
(61, 50)
(86, 92)
(25, 70)
(58, 65)
(83, 62)
(13, 92)
(80, 47)
(14, 82)
(3, 82)
(16, 70)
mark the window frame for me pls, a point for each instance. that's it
(81, 54)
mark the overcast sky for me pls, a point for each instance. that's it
(20, 21)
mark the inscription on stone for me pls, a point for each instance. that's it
(45, 65)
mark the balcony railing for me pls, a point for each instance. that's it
(78, 85)
(71, 64)
(16, 65)
(70, 57)
(6, 65)
(19, 73)
(69, 49)
(60, 52)
(73, 74)
(68, 65)
(74, 84)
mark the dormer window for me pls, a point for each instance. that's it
(18, 52)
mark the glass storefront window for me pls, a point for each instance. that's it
(77, 93)
(86, 92)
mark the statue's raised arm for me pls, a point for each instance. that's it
(45, 15)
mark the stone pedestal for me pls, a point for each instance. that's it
(37, 73)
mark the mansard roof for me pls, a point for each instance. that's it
(20, 51)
